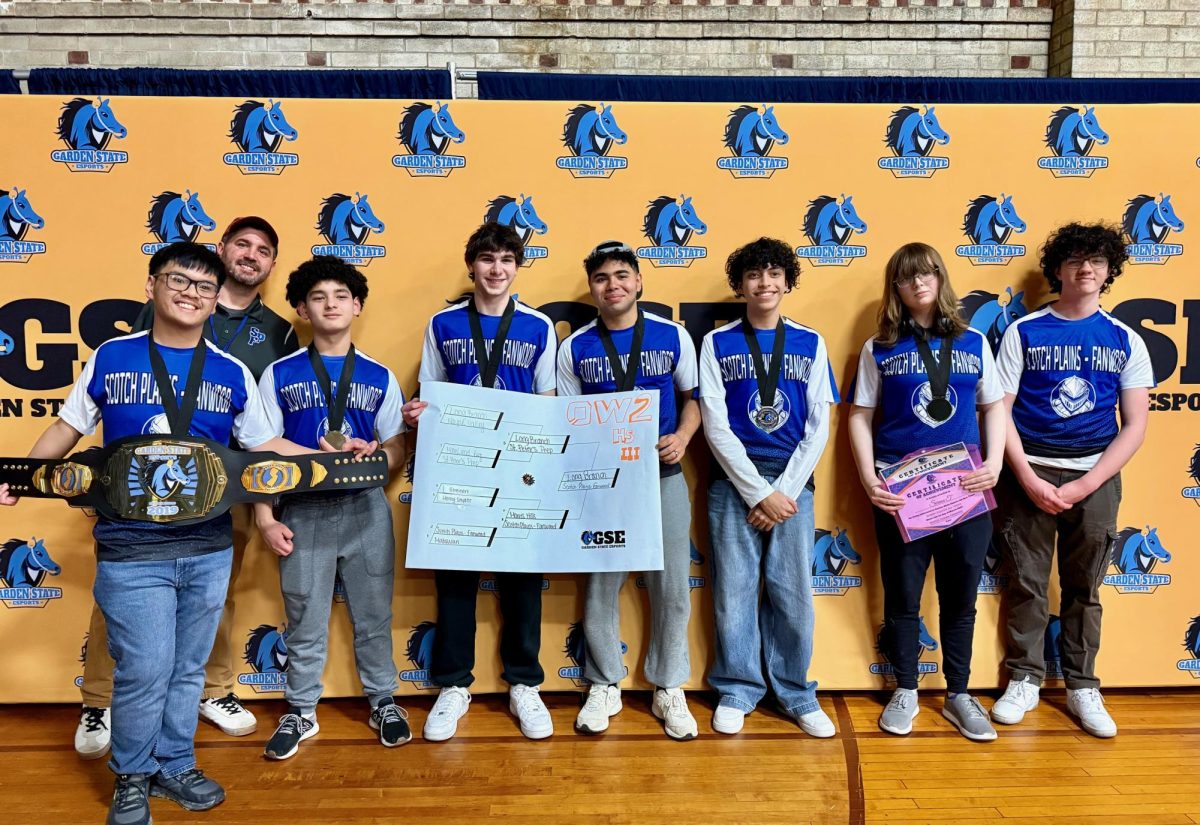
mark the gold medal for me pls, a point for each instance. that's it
(336, 439)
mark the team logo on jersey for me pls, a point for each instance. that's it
(1071, 135)
(17, 217)
(1146, 223)
(1073, 396)
(912, 136)
(87, 126)
(576, 651)
(255, 337)
(427, 132)
(990, 580)
(670, 224)
(419, 652)
(992, 313)
(256, 130)
(1191, 643)
(921, 397)
(829, 224)
(750, 134)
(1052, 648)
(832, 552)
(174, 217)
(883, 643)
(769, 419)
(24, 565)
(7, 344)
(266, 653)
(988, 224)
(589, 134)
(346, 223)
(1135, 554)
(520, 214)
(697, 560)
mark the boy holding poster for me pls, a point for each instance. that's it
(1066, 370)
(766, 418)
(623, 349)
(491, 340)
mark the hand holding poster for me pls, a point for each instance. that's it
(512, 482)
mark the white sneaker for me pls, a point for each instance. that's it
(525, 703)
(229, 714)
(1020, 697)
(728, 719)
(603, 701)
(816, 724)
(670, 705)
(93, 735)
(1088, 705)
(442, 722)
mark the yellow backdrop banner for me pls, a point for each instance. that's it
(89, 188)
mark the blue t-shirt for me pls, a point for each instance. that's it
(893, 379)
(296, 408)
(117, 388)
(668, 363)
(1067, 377)
(526, 364)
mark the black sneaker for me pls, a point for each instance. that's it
(293, 729)
(131, 801)
(191, 790)
(391, 721)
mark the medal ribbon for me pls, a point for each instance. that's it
(336, 404)
(624, 378)
(179, 417)
(489, 362)
(768, 380)
(938, 371)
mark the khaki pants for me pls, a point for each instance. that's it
(96, 690)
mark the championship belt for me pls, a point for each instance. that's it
(183, 480)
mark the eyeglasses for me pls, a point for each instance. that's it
(909, 280)
(1096, 262)
(180, 283)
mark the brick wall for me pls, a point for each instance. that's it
(991, 38)
(1136, 38)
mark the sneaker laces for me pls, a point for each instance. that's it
(597, 699)
(92, 720)
(192, 776)
(228, 703)
(450, 702)
(900, 700)
(292, 724)
(131, 794)
(530, 700)
(390, 712)
(972, 708)
(676, 704)
(1020, 690)
(1089, 700)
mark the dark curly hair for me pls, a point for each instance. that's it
(762, 254)
(324, 268)
(1083, 239)
(494, 237)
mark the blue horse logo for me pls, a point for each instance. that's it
(162, 478)
(589, 134)
(832, 552)
(522, 216)
(1191, 643)
(346, 223)
(419, 652)
(7, 344)
(1071, 136)
(884, 644)
(26, 563)
(696, 556)
(1135, 554)
(992, 313)
(167, 478)
(17, 215)
(912, 134)
(87, 124)
(575, 649)
(750, 134)
(1194, 471)
(260, 127)
(991, 580)
(427, 132)
(174, 217)
(1052, 647)
(1147, 222)
(829, 224)
(670, 223)
(988, 223)
(266, 654)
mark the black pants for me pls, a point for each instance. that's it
(520, 636)
(958, 554)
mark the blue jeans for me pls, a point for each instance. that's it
(774, 632)
(162, 618)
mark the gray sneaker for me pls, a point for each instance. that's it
(966, 714)
(898, 716)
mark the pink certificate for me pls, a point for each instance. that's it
(930, 482)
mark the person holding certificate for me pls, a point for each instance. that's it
(765, 391)
(923, 380)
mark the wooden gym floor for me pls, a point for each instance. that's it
(1043, 771)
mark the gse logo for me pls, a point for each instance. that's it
(603, 538)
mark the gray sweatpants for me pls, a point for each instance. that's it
(351, 535)
(667, 662)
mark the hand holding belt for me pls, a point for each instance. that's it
(183, 480)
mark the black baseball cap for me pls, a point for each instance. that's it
(252, 222)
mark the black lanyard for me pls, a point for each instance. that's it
(768, 378)
(335, 404)
(938, 407)
(625, 377)
(179, 419)
(489, 361)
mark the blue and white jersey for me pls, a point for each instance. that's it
(117, 388)
(893, 379)
(526, 365)
(1067, 377)
(668, 363)
(296, 408)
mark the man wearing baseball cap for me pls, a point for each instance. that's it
(243, 326)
